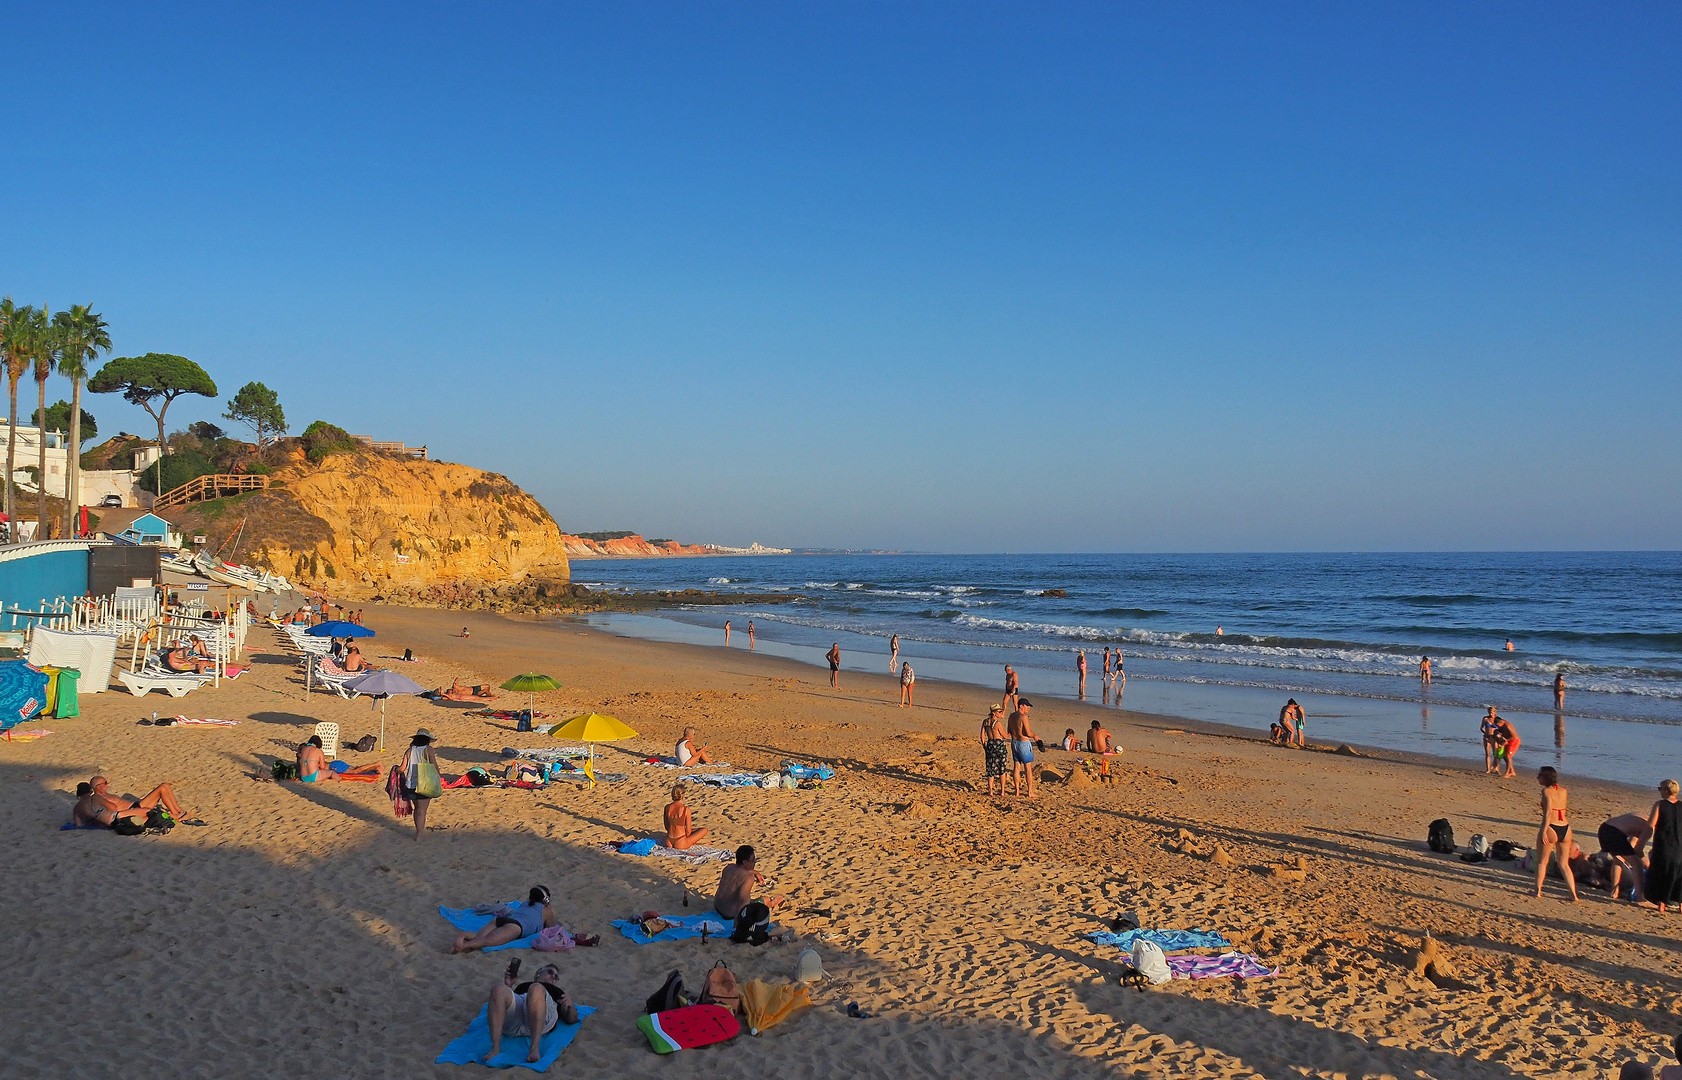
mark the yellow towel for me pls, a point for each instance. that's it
(766, 1006)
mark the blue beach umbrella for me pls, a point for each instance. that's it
(383, 684)
(23, 693)
(339, 629)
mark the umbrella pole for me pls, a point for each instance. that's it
(382, 725)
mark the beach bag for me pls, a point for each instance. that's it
(524, 722)
(128, 827)
(753, 925)
(686, 1028)
(1441, 837)
(428, 784)
(720, 988)
(1502, 851)
(158, 819)
(284, 770)
(668, 997)
(366, 744)
(1148, 961)
(553, 939)
(1479, 844)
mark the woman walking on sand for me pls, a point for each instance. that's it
(414, 782)
(1664, 869)
(1554, 837)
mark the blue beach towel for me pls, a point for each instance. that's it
(89, 825)
(1166, 940)
(728, 780)
(469, 1048)
(639, 847)
(687, 927)
(470, 920)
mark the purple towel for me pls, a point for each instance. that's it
(1232, 964)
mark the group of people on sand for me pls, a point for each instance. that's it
(1500, 744)
(1009, 742)
(1291, 729)
(95, 805)
(1654, 880)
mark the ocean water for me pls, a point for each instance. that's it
(1230, 637)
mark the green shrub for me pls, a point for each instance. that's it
(178, 468)
(322, 438)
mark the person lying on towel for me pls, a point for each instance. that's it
(531, 1009)
(90, 811)
(457, 692)
(121, 805)
(522, 920)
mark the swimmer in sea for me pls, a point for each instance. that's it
(1425, 671)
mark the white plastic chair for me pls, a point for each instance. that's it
(329, 733)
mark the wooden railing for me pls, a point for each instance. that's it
(214, 486)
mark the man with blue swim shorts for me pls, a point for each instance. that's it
(1021, 747)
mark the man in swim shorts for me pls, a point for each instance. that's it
(1021, 747)
(834, 658)
(1010, 689)
(90, 811)
(1622, 837)
(1506, 745)
(163, 795)
(1101, 742)
(735, 885)
(530, 1009)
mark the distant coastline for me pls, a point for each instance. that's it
(629, 545)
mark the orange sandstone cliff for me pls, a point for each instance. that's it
(626, 547)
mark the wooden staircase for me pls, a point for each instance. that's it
(213, 486)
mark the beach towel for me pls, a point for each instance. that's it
(695, 856)
(688, 1027)
(1227, 965)
(90, 825)
(472, 921)
(729, 780)
(505, 714)
(578, 777)
(400, 804)
(471, 1047)
(26, 734)
(1166, 940)
(207, 722)
(686, 927)
(671, 763)
(229, 671)
(548, 753)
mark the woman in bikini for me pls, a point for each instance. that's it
(1554, 837)
(995, 745)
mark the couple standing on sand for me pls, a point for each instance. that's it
(1009, 742)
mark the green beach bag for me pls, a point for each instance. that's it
(428, 784)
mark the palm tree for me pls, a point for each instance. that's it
(43, 351)
(84, 337)
(14, 361)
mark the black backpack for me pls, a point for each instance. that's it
(1441, 837)
(127, 826)
(1502, 851)
(669, 996)
(753, 925)
(366, 744)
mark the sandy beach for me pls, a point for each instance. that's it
(298, 933)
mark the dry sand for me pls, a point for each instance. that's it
(298, 935)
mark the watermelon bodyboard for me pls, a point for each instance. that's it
(688, 1027)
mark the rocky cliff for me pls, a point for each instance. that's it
(365, 524)
(627, 547)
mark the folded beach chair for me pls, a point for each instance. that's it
(329, 733)
(140, 683)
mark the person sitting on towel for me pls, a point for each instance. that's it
(120, 804)
(89, 811)
(680, 830)
(735, 885)
(522, 920)
(179, 659)
(312, 763)
(531, 1009)
(690, 754)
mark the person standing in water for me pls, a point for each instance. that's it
(1509, 644)
(893, 652)
(1425, 671)
(750, 635)
(1106, 667)
(1559, 689)
(727, 631)
(1080, 666)
(1554, 838)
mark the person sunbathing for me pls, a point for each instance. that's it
(688, 753)
(522, 920)
(181, 661)
(680, 828)
(163, 795)
(312, 762)
(89, 811)
(528, 1009)
(458, 692)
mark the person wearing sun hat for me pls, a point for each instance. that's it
(420, 750)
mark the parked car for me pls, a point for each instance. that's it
(111, 500)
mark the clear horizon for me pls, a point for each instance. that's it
(1091, 279)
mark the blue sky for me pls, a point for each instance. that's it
(949, 277)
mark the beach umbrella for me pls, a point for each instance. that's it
(530, 684)
(339, 629)
(23, 693)
(593, 728)
(383, 684)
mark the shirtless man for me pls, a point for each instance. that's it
(1021, 747)
(680, 830)
(312, 763)
(1425, 671)
(834, 658)
(1106, 665)
(735, 885)
(353, 660)
(1100, 741)
(1506, 744)
(1010, 689)
(1622, 838)
(688, 753)
(90, 811)
(163, 794)
(1509, 644)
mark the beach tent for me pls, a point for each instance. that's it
(23, 692)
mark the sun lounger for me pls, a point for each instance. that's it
(140, 683)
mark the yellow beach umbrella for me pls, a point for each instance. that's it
(593, 728)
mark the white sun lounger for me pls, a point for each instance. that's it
(140, 683)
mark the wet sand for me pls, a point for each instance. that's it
(297, 933)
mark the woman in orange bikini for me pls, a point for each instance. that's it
(1554, 838)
